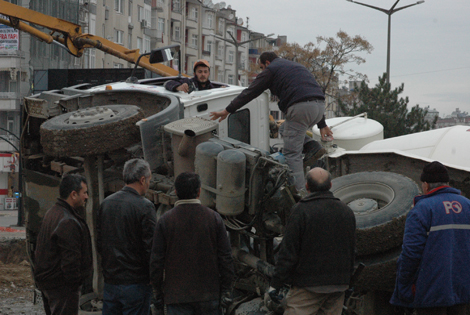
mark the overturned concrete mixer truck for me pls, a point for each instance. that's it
(94, 130)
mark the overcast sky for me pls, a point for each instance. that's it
(430, 42)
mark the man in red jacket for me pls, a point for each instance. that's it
(63, 257)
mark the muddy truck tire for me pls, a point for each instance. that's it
(380, 201)
(91, 131)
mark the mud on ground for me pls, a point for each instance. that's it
(16, 290)
(16, 282)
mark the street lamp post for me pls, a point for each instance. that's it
(389, 13)
(237, 44)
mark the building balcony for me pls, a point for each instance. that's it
(219, 57)
(191, 50)
(191, 24)
(9, 101)
(176, 39)
(206, 52)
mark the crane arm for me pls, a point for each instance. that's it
(70, 35)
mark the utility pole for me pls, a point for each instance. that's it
(237, 44)
(389, 13)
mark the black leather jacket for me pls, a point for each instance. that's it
(63, 255)
(125, 226)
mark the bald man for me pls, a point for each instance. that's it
(316, 257)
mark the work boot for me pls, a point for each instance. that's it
(313, 151)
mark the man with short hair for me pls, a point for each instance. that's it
(125, 226)
(301, 99)
(200, 81)
(192, 250)
(432, 270)
(63, 258)
(317, 252)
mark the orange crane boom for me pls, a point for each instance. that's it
(70, 35)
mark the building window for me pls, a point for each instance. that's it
(220, 76)
(92, 58)
(176, 6)
(244, 37)
(118, 36)
(129, 40)
(209, 20)
(177, 33)
(161, 25)
(144, 13)
(193, 15)
(119, 5)
(231, 56)
(130, 8)
(209, 46)
(146, 43)
(194, 40)
(139, 43)
(230, 79)
(221, 26)
(118, 65)
(220, 50)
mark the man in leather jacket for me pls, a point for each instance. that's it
(125, 226)
(63, 258)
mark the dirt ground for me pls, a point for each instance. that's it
(16, 290)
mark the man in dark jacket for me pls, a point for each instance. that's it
(432, 270)
(63, 257)
(192, 249)
(301, 99)
(199, 82)
(125, 226)
(317, 252)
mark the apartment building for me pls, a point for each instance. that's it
(203, 29)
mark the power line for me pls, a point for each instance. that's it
(404, 75)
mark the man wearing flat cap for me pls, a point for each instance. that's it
(433, 269)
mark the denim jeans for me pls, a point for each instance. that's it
(195, 308)
(132, 299)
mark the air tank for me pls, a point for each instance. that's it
(231, 166)
(206, 167)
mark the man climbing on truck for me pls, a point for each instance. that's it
(301, 100)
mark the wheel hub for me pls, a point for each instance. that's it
(363, 205)
(90, 115)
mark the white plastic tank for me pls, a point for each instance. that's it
(206, 167)
(352, 133)
(231, 167)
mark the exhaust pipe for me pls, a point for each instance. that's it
(254, 262)
(186, 143)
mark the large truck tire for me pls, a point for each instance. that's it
(380, 271)
(91, 131)
(380, 201)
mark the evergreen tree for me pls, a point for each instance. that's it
(385, 106)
